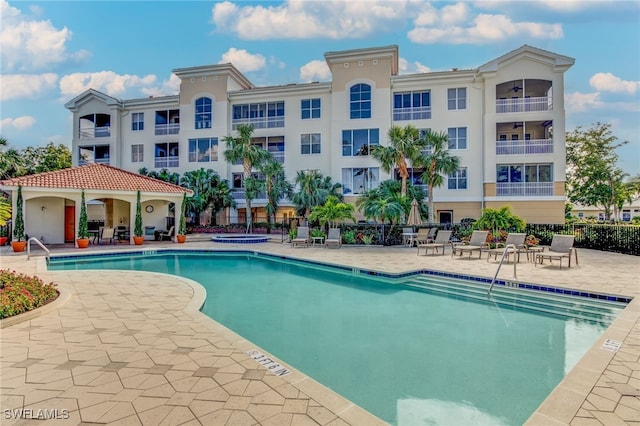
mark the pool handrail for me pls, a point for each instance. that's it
(48, 256)
(504, 254)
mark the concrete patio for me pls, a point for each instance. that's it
(132, 347)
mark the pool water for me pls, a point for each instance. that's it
(405, 353)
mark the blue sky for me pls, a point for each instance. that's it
(51, 51)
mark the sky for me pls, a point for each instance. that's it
(52, 51)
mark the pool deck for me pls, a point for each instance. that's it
(126, 348)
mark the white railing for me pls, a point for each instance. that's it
(519, 147)
(542, 103)
(164, 162)
(528, 189)
(238, 194)
(168, 129)
(94, 161)
(95, 132)
(37, 241)
(259, 122)
(412, 113)
(509, 248)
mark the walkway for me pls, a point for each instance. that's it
(128, 348)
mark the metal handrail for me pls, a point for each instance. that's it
(40, 244)
(504, 254)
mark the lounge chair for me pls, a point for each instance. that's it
(424, 236)
(334, 239)
(477, 243)
(302, 237)
(441, 241)
(561, 247)
(107, 234)
(517, 240)
(166, 235)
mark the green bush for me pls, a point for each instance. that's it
(21, 293)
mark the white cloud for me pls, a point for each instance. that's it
(27, 44)
(19, 123)
(105, 81)
(167, 88)
(299, 19)
(243, 60)
(411, 68)
(13, 86)
(315, 71)
(582, 101)
(607, 82)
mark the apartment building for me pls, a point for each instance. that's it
(505, 121)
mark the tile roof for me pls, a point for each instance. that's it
(96, 177)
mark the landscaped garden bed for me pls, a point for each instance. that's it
(21, 293)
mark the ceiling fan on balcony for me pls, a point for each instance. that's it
(515, 87)
(517, 125)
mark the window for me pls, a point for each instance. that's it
(137, 153)
(167, 155)
(360, 105)
(359, 142)
(137, 121)
(457, 137)
(260, 116)
(310, 108)
(203, 150)
(524, 180)
(415, 174)
(538, 173)
(457, 98)
(168, 122)
(273, 144)
(411, 105)
(93, 154)
(203, 113)
(358, 180)
(457, 180)
(94, 126)
(310, 143)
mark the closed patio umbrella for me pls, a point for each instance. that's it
(414, 214)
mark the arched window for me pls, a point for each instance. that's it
(203, 113)
(360, 101)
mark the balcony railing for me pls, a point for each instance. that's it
(259, 122)
(168, 129)
(542, 103)
(82, 161)
(238, 194)
(520, 147)
(95, 132)
(412, 113)
(522, 189)
(165, 162)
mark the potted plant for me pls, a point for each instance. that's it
(531, 241)
(19, 243)
(83, 226)
(3, 235)
(181, 236)
(138, 236)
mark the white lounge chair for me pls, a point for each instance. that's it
(334, 239)
(302, 237)
(441, 241)
(561, 247)
(515, 239)
(477, 243)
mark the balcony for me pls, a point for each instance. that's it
(527, 104)
(238, 194)
(95, 132)
(166, 162)
(524, 189)
(521, 147)
(412, 113)
(167, 129)
(259, 122)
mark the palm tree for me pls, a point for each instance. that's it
(313, 190)
(199, 182)
(381, 205)
(405, 144)
(276, 187)
(438, 164)
(220, 196)
(241, 149)
(332, 211)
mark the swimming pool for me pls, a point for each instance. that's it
(413, 350)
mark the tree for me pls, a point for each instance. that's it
(438, 164)
(5, 211)
(593, 178)
(220, 196)
(199, 181)
(332, 211)
(47, 158)
(182, 227)
(241, 149)
(314, 188)
(137, 229)
(83, 226)
(18, 226)
(501, 219)
(275, 186)
(405, 144)
(383, 203)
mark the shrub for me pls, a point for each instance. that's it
(21, 293)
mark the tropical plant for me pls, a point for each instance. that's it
(275, 186)
(137, 229)
(500, 220)
(313, 190)
(5, 211)
(83, 225)
(405, 144)
(332, 211)
(182, 228)
(384, 203)
(349, 237)
(220, 196)
(317, 233)
(242, 149)
(438, 163)
(21, 293)
(18, 226)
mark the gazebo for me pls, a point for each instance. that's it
(51, 200)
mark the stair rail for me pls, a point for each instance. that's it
(34, 239)
(504, 254)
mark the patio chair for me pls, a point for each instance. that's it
(407, 236)
(441, 241)
(424, 236)
(477, 243)
(517, 240)
(166, 235)
(107, 234)
(334, 239)
(302, 238)
(561, 247)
